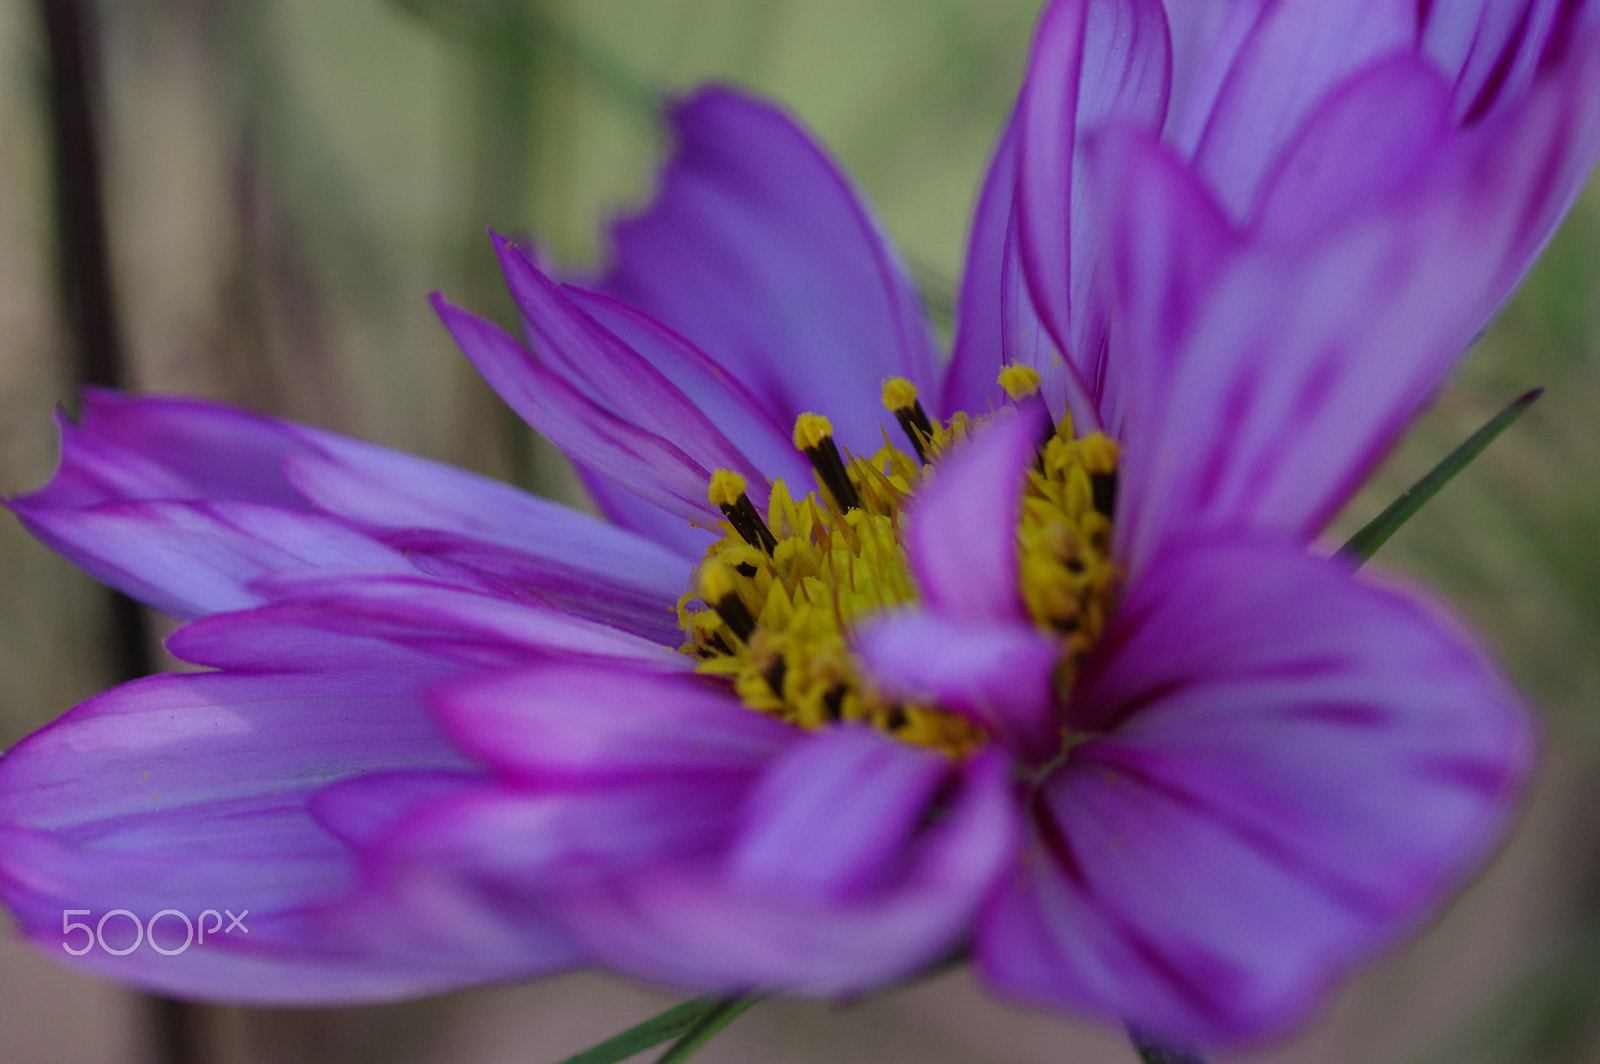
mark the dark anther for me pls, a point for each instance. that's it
(746, 521)
(718, 643)
(745, 568)
(774, 674)
(828, 463)
(897, 718)
(918, 429)
(1103, 489)
(736, 615)
(833, 701)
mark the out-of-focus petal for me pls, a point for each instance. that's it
(653, 468)
(1000, 675)
(891, 892)
(1295, 53)
(564, 722)
(1304, 363)
(1092, 61)
(759, 251)
(1291, 767)
(1493, 51)
(1169, 243)
(960, 533)
(190, 792)
(970, 381)
(1365, 142)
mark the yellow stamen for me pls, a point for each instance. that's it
(778, 597)
(1020, 382)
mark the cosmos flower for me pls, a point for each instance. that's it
(1030, 659)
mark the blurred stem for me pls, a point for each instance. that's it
(652, 1032)
(1152, 1052)
(89, 307)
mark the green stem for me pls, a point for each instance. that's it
(1365, 543)
(652, 1032)
(708, 1027)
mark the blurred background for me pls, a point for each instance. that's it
(285, 180)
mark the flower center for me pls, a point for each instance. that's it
(776, 597)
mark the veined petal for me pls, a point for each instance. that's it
(651, 467)
(1295, 53)
(970, 381)
(1304, 363)
(607, 371)
(960, 533)
(192, 558)
(1092, 61)
(562, 722)
(431, 618)
(898, 891)
(1291, 765)
(189, 793)
(1000, 675)
(194, 461)
(759, 251)
(721, 396)
(1493, 51)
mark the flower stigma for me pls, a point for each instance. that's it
(777, 596)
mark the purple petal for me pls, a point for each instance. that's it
(408, 611)
(607, 371)
(627, 511)
(1366, 141)
(190, 793)
(169, 448)
(192, 558)
(960, 532)
(1000, 675)
(570, 722)
(1092, 61)
(759, 251)
(891, 892)
(1293, 767)
(1494, 50)
(651, 467)
(970, 381)
(1281, 399)
(1296, 52)
(721, 396)
(1169, 243)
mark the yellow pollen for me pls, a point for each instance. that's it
(1020, 382)
(811, 431)
(726, 488)
(778, 596)
(899, 394)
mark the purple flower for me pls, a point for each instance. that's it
(1064, 690)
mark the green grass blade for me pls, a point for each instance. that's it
(709, 1026)
(652, 1032)
(1366, 542)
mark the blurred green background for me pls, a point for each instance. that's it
(286, 179)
